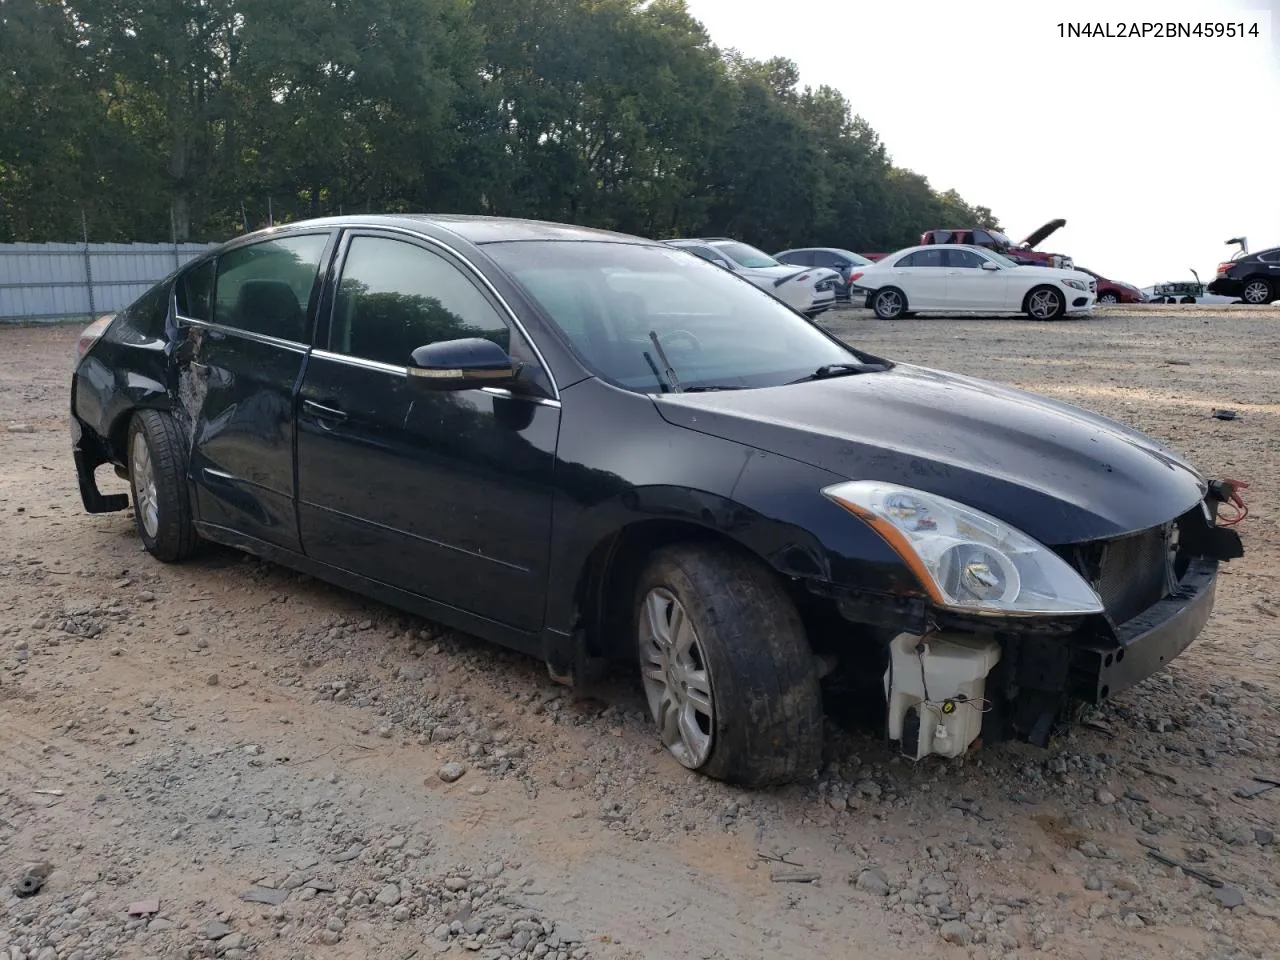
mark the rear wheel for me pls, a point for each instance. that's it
(889, 303)
(1045, 303)
(157, 479)
(726, 667)
(1257, 290)
(1188, 300)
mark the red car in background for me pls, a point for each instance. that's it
(995, 240)
(1114, 291)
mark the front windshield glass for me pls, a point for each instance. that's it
(999, 258)
(745, 255)
(717, 330)
(856, 259)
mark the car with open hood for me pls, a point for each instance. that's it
(958, 278)
(591, 447)
(1023, 252)
(810, 289)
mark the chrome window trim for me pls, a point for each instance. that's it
(292, 345)
(356, 230)
(379, 367)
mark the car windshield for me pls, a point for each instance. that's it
(716, 330)
(857, 259)
(745, 255)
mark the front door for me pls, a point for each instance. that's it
(969, 287)
(444, 494)
(245, 327)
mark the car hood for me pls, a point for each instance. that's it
(1059, 473)
(1039, 235)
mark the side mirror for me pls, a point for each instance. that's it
(462, 365)
(988, 265)
(842, 265)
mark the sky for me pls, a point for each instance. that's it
(1155, 150)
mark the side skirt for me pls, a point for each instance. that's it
(532, 644)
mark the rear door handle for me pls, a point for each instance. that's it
(322, 412)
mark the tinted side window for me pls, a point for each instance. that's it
(395, 297)
(802, 258)
(194, 292)
(148, 313)
(922, 258)
(266, 287)
(964, 258)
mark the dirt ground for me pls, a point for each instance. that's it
(194, 734)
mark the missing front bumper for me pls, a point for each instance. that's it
(1145, 644)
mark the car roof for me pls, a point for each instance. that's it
(474, 228)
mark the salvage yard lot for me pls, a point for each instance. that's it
(188, 734)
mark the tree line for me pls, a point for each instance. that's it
(199, 119)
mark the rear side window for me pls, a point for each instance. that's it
(266, 287)
(193, 293)
(396, 296)
(148, 313)
(798, 258)
(922, 258)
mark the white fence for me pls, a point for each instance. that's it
(47, 282)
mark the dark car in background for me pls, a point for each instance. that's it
(1022, 253)
(589, 447)
(1114, 291)
(842, 261)
(1253, 277)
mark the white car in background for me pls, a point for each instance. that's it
(811, 290)
(958, 278)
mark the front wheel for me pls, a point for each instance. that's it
(726, 667)
(1108, 298)
(1045, 303)
(157, 478)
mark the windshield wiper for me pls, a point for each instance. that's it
(828, 370)
(709, 387)
(670, 382)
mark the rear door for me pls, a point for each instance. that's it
(244, 327)
(922, 276)
(444, 494)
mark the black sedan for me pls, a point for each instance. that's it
(592, 447)
(1253, 277)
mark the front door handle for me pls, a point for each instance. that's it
(322, 412)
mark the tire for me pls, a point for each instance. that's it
(1257, 291)
(759, 719)
(158, 482)
(1108, 298)
(1045, 303)
(889, 303)
(1188, 300)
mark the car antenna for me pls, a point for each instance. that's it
(672, 381)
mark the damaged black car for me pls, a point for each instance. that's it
(595, 448)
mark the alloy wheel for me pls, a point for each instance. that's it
(1043, 304)
(1256, 291)
(676, 680)
(145, 499)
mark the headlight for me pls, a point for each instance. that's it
(1075, 284)
(967, 560)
